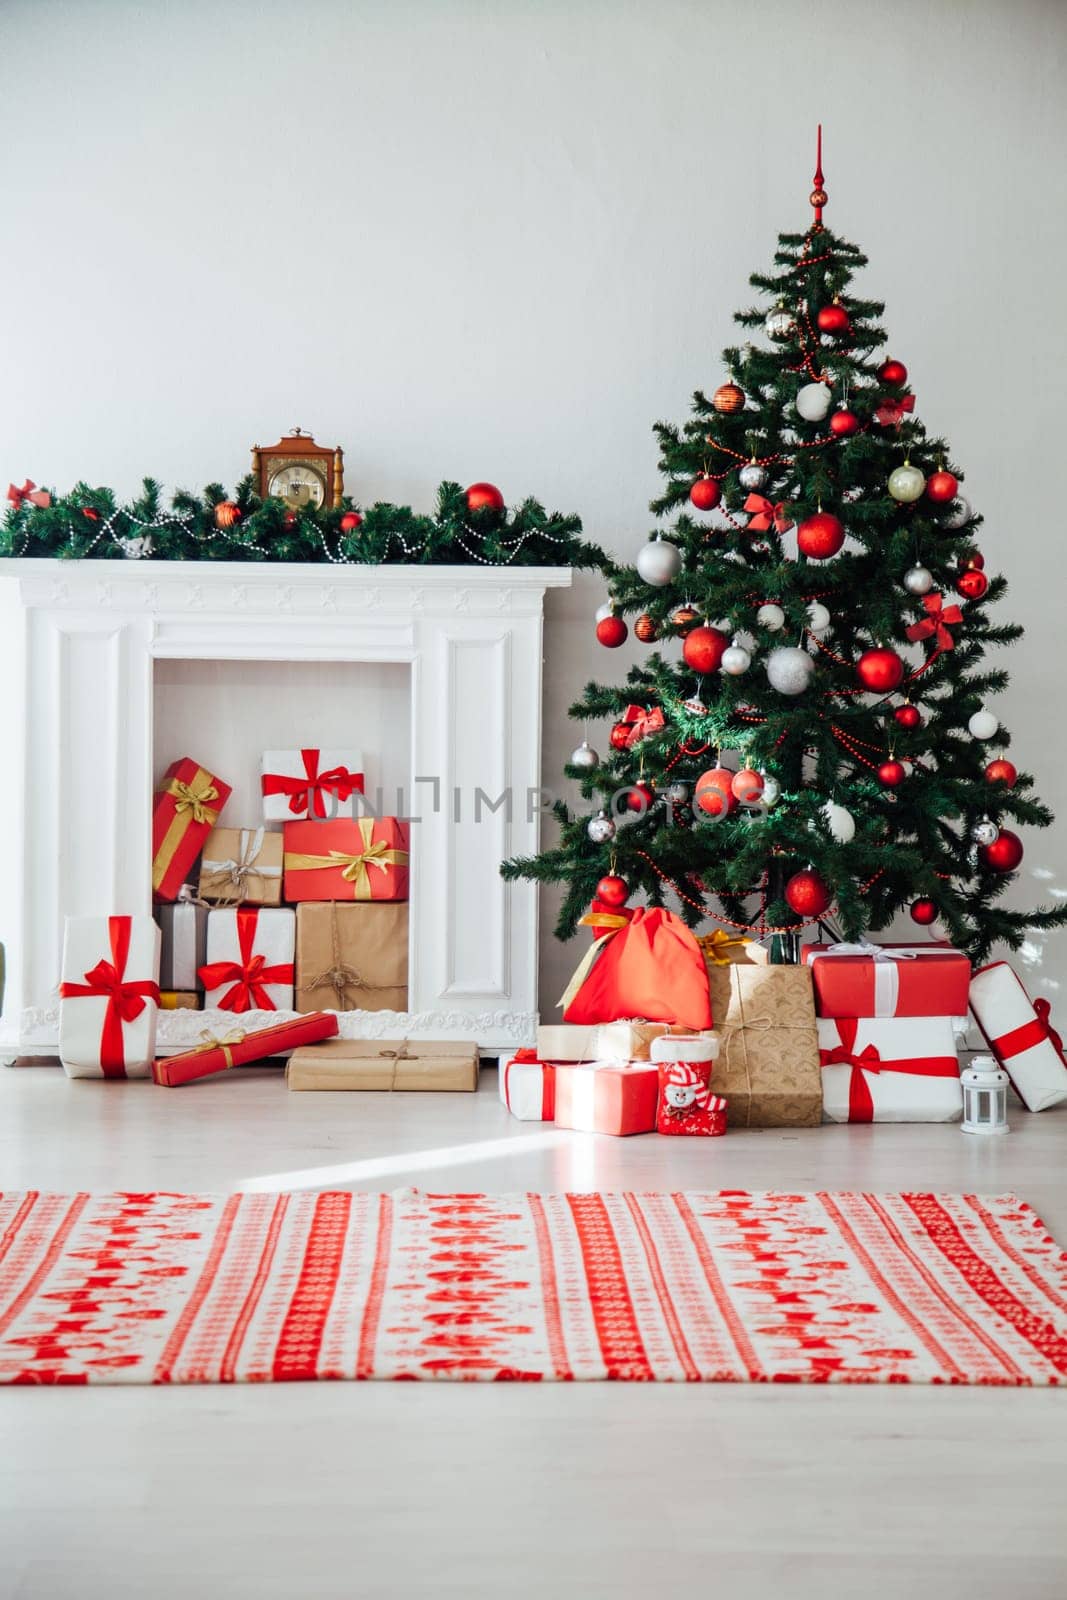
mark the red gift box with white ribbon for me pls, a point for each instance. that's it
(528, 1087)
(109, 997)
(617, 1097)
(1020, 1035)
(250, 960)
(889, 1069)
(889, 980)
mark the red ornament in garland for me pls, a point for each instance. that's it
(891, 774)
(639, 797)
(227, 514)
(613, 890)
(942, 487)
(290, 519)
(908, 716)
(484, 497)
(924, 911)
(714, 793)
(619, 737)
(90, 514)
(1004, 854)
(351, 521)
(1001, 771)
(893, 372)
(611, 631)
(880, 671)
(747, 786)
(703, 648)
(844, 423)
(833, 319)
(820, 536)
(972, 583)
(807, 894)
(705, 494)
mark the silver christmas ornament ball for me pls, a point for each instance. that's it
(138, 549)
(959, 512)
(818, 617)
(752, 476)
(772, 791)
(789, 669)
(918, 580)
(779, 324)
(600, 828)
(735, 660)
(985, 831)
(585, 757)
(677, 793)
(659, 562)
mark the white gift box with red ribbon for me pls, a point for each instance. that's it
(528, 1087)
(250, 959)
(310, 784)
(109, 997)
(889, 1069)
(1020, 1035)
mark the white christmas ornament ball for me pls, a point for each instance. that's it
(906, 483)
(813, 401)
(818, 617)
(772, 791)
(659, 562)
(771, 617)
(959, 512)
(983, 725)
(918, 580)
(789, 669)
(752, 476)
(600, 828)
(841, 823)
(606, 610)
(735, 660)
(585, 757)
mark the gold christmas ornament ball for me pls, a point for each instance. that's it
(684, 617)
(645, 629)
(728, 398)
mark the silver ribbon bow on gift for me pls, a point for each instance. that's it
(229, 879)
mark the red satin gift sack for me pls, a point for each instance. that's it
(653, 969)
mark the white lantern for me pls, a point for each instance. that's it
(813, 401)
(985, 1097)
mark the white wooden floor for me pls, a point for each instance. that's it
(573, 1492)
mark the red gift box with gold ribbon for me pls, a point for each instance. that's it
(186, 808)
(234, 1047)
(357, 858)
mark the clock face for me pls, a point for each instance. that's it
(299, 484)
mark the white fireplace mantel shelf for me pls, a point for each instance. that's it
(78, 645)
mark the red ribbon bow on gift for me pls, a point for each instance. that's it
(30, 492)
(890, 413)
(642, 723)
(306, 793)
(125, 1000)
(938, 615)
(1029, 1034)
(844, 1053)
(765, 512)
(526, 1053)
(249, 975)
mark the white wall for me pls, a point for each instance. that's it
(499, 240)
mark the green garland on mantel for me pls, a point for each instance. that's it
(92, 523)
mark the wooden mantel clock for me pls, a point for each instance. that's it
(299, 471)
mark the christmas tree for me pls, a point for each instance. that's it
(811, 741)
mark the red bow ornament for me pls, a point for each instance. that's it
(306, 793)
(936, 623)
(642, 723)
(30, 492)
(766, 514)
(891, 413)
(125, 1000)
(249, 975)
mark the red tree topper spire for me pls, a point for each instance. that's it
(818, 195)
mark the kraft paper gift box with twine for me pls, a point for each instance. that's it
(768, 1066)
(389, 1065)
(352, 957)
(242, 866)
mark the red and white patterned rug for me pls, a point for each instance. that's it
(847, 1288)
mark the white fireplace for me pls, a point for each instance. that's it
(108, 667)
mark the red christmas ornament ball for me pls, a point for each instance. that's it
(611, 631)
(1001, 771)
(1004, 854)
(972, 583)
(703, 648)
(844, 423)
(90, 514)
(833, 319)
(728, 398)
(484, 497)
(894, 372)
(820, 536)
(639, 797)
(619, 737)
(684, 617)
(613, 890)
(908, 716)
(227, 513)
(747, 786)
(290, 519)
(705, 494)
(880, 671)
(351, 521)
(976, 560)
(807, 894)
(891, 774)
(924, 911)
(645, 629)
(714, 792)
(942, 486)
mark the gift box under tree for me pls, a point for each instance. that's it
(352, 957)
(310, 783)
(889, 1069)
(359, 858)
(889, 980)
(250, 960)
(615, 1097)
(108, 997)
(528, 1086)
(1020, 1034)
(768, 1065)
(185, 809)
